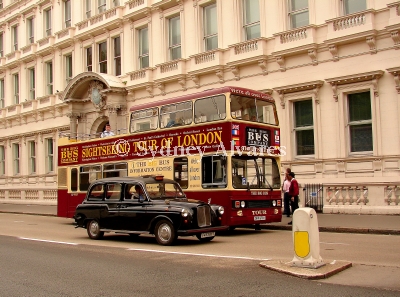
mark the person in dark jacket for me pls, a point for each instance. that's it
(293, 193)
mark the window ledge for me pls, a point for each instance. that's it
(361, 154)
(305, 157)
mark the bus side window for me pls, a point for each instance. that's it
(213, 171)
(181, 172)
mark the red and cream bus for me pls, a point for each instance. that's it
(221, 145)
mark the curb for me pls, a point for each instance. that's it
(340, 230)
(30, 213)
(322, 272)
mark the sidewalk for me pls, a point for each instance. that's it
(344, 223)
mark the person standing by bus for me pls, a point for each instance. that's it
(293, 193)
(285, 190)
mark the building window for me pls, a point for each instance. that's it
(304, 127)
(115, 3)
(117, 56)
(88, 8)
(47, 22)
(251, 19)
(103, 57)
(67, 13)
(31, 75)
(1, 45)
(143, 48)
(89, 59)
(68, 68)
(101, 6)
(49, 78)
(2, 105)
(352, 6)
(175, 38)
(30, 31)
(49, 155)
(15, 153)
(298, 13)
(16, 88)
(14, 38)
(32, 157)
(1, 4)
(360, 122)
(210, 27)
(2, 160)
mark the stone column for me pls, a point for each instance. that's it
(73, 125)
(112, 117)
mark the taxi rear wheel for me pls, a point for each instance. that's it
(93, 230)
(165, 233)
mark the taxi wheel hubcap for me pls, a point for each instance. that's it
(164, 232)
(94, 228)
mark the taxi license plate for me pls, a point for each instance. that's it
(259, 218)
(207, 234)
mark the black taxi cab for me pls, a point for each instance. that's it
(147, 204)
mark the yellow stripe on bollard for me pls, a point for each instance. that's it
(301, 243)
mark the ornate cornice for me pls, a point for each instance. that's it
(372, 76)
(314, 86)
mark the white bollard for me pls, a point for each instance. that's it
(306, 239)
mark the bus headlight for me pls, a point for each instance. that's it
(242, 204)
(221, 210)
(274, 203)
(184, 212)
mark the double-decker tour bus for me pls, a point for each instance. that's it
(221, 145)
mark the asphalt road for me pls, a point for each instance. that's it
(45, 256)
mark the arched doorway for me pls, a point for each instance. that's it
(94, 100)
(98, 126)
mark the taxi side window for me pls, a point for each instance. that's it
(129, 191)
(113, 191)
(96, 193)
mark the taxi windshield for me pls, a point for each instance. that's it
(164, 191)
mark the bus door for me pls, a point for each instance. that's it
(73, 197)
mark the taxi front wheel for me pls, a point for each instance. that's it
(165, 233)
(93, 230)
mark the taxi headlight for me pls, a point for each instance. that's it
(242, 204)
(273, 202)
(184, 212)
(221, 210)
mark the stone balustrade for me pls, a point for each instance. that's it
(350, 21)
(362, 198)
(246, 47)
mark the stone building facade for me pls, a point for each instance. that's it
(331, 65)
